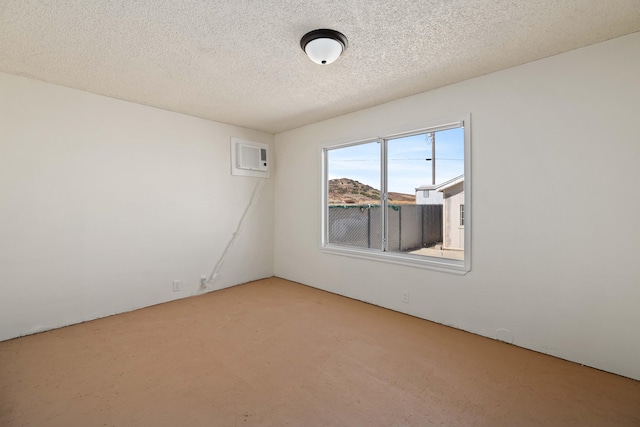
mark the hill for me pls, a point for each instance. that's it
(345, 191)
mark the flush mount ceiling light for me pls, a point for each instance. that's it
(323, 46)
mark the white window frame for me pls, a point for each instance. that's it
(379, 255)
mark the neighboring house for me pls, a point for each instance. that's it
(453, 213)
(430, 194)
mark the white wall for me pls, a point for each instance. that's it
(104, 203)
(549, 262)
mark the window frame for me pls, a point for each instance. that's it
(400, 258)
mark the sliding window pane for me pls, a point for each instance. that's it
(425, 186)
(353, 196)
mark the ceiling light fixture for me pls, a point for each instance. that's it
(323, 46)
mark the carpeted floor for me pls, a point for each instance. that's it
(277, 353)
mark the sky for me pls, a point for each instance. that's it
(407, 166)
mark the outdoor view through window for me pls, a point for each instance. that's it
(419, 179)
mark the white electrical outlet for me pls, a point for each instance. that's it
(405, 297)
(177, 285)
(203, 280)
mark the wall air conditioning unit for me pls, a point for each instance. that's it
(249, 158)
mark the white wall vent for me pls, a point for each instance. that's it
(249, 158)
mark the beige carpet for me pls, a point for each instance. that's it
(276, 353)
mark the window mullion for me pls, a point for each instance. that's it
(384, 195)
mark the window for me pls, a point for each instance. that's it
(400, 197)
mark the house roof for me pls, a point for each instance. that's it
(439, 187)
(240, 62)
(451, 183)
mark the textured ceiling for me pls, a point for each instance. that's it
(240, 62)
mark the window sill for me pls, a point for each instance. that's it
(417, 261)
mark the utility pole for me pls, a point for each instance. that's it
(433, 158)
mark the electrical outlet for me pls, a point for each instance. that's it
(203, 280)
(405, 297)
(177, 285)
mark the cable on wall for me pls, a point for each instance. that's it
(252, 201)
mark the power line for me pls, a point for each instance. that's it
(378, 160)
(438, 158)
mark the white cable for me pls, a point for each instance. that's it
(234, 236)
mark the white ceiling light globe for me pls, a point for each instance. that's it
(323, 51)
